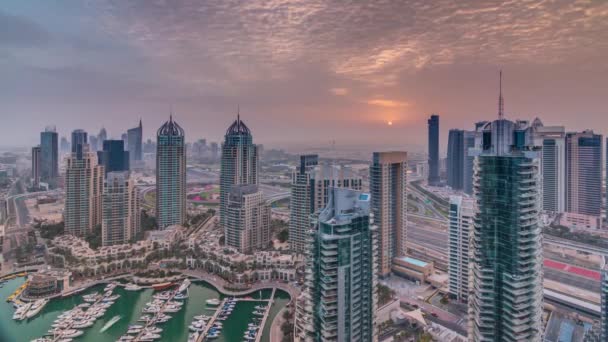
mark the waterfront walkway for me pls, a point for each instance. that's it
(258, 335)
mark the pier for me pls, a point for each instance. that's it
(155, 316)
(201, 336)
(258, 335)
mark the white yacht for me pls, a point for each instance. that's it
(36, 307)
(184, 286)
(132, 287)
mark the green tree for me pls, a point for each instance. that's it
(283, 235)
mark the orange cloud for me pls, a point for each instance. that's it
(339, 91)
(387, 103)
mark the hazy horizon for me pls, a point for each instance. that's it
(302, 72)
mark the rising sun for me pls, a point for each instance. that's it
(390, 123)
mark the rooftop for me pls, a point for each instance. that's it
(413, 261)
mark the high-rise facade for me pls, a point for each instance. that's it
(83, 188)
(239, 162)
(134, 140)
(469, 161)
(553, 164)
(311, 185)
(79, 140)
(170, 175)
(120, 209)
(101, 137)
(388, 189)
(460, 227)
(113, 156)
(341, 267)
(36, 150)
(433, 144)
(604, 303)
(456, 159)
(49, 155)
(247, 219)
(505, 303)
(584, 173)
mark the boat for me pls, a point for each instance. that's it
(196, 328)
(153, 330)
(165, 295)
(110, 323)
(213, 302)
(125, 338)
(213, 335)
(110, 287)
(111, 298)
(149, 337)
(132, 287)
(181, 296)
(201, 317)
(259, 313)
(42, 339)
(133, 331)
(83, 325)
(184, 285)
(36, 308)
(21, 312)
(71, 333)
(261, 307)
(162, 286)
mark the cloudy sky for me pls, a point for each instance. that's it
(302, 71)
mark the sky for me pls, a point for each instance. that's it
(302, 72)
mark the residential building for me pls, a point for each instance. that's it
(604, 303)
(120, 209)
(584, 173)
(36, 159)
(456, 159)
(134, 140)
(459, 234)
(83, 188)
(505, 302)
(433, 144)
(239, 162)
(553, 164)
(388, 189)
(170, 175)
(247, 219)
(113, 157)
(311, 186)
(49, 155)
(469, 161)
(341, 270)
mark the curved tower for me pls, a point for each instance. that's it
(170, 175)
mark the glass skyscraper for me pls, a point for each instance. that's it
(79, 140)
(49, 155)
(239, 162)
(113, 157)
(170, 175)
(341, 268)
(460, 226)
(433, 123)
(506, 296)
(456, 159)
(134, 143)
(553, 165)
(584, 173)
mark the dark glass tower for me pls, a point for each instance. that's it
(79, 140)
(239, 162)
(170, 175)
(456, 159)
(434, 150)
(49, 155)
(584, 173)
(113, 157)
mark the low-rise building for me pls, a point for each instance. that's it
(411, 268)
(48, 282)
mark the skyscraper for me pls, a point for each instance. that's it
(170, 175)
(311, 185)
(239, 162)
(102, 136)
(553, 165)
(459, 233)
(387, 184)
(79, 139)
(93, 143)
(113, 157)
(49, 155)
(433, 123)
(604, 303)
(36, 166)
(134, 139)
(341, 267)
(65, 145)
(505, 303)
(83, 188)
(469, 160)
(584, 173)
(120, 208)
(456, 159)
(247, 219)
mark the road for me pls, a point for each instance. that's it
(433, 239)
(572, 280)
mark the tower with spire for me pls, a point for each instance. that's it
(239, 161)
(170, 175)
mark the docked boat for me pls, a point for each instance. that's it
(125, 338)
(153, 330)
(201, 317)
(213, 335)
(261, 307)
(193, 337)
(181, 296)
(132, 287)
(21, 312)
(259, 313)
(110, 287)
(184, 285)
(36, 308)
(149, 337)
(165, 295)
(71, 333)
(213, 302)
(133, 331)
(162, 286)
